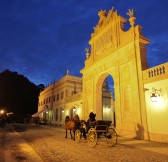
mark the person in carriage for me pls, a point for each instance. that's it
(92, 118)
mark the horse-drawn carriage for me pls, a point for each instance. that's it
(95, 130)
(91, 130)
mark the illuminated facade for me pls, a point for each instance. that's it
(155, 81)
(122, 55)
(59, 99)
(140, 109)
(64, 97)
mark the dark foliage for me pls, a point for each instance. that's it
(41, 87)
(18, 94)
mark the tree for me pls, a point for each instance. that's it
(41, 87)
(17, 93)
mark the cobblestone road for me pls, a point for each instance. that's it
(32, 143)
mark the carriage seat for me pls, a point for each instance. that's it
(103, 122)
(101, 125)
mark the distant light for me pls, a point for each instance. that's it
(2, 112)
(10, 113)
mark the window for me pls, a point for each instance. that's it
(61, 114)
(73, 92)
(62, 95)
(66, 93)
(54, 98)
(57, 97)
(56, 116)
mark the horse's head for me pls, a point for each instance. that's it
(67, 118)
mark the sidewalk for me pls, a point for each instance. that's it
(14, 147)
(156, 147)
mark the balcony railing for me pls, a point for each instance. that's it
(156, 72)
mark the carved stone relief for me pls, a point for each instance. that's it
(127, 102)
(104, 42)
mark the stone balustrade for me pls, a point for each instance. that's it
(156, 72)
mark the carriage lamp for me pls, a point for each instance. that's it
(155, 94)
(153, 97)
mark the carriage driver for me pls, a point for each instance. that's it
(92, 118)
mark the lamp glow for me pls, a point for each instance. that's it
(153, 97)
(2, 112)
(74, 109)
(155, 94)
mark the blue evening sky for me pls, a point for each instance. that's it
(41, 39)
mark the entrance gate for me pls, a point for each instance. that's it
(121, 54)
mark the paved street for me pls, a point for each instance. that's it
(33, 143)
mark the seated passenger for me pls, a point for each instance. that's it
(90, 120)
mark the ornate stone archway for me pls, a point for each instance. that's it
(122, 54)
(98, 92)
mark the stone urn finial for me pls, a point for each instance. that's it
(131, 14)
(87, 50)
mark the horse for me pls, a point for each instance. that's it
(71, 125)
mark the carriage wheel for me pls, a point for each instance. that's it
(77, 135)
(92, 137)
(111, 136)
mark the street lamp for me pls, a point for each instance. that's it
(155, 94)
(74, 109)
(2, 112)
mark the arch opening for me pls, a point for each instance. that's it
(108, 99)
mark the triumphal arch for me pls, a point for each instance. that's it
(121, 54)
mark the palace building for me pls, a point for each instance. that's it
(64, 98)
(138, 103)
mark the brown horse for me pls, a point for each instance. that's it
(71, 125)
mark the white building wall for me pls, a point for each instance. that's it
(157, 112)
